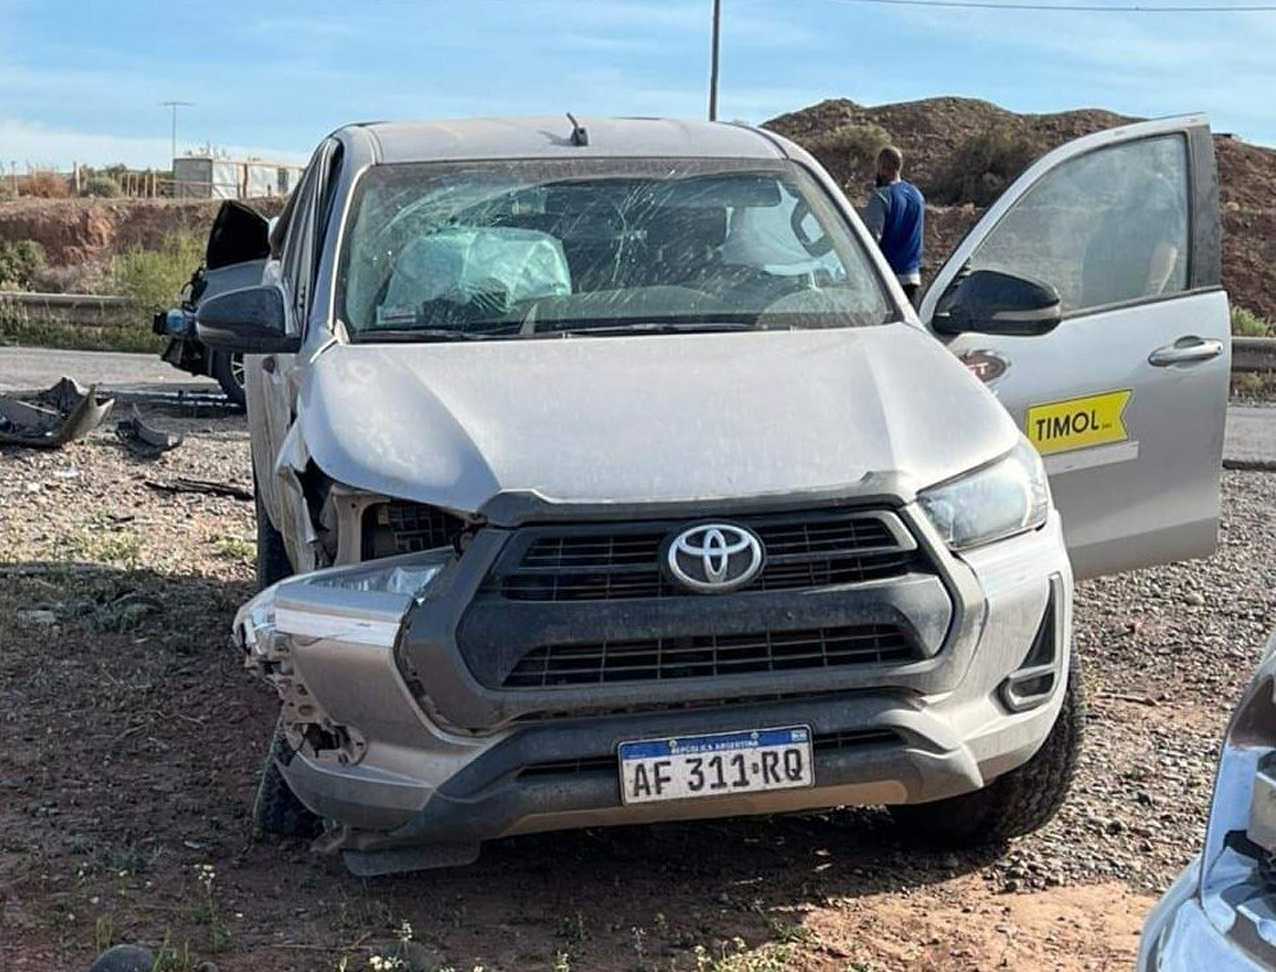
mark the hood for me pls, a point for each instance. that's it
(655, 418)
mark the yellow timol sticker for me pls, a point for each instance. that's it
(1078, 423)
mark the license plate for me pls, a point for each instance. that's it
(724, 763)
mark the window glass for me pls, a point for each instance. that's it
(522, 248)
(1106, 227)
(296, 249)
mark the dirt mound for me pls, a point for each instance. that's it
(936, 134)
(92, 230)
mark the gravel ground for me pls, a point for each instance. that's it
(132, 741)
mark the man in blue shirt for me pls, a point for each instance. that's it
(896, 216)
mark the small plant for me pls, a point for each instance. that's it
(101, 187)
(20, 260)
(103, 933)
(208, 912)
(1245, 323)
(169, 958)
(153, 279)
(237, 548)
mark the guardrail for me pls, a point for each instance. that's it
(85, 310)
(1253, 354)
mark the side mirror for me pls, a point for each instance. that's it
(992, 302)
(250, 320)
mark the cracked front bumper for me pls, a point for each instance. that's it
(408, 788)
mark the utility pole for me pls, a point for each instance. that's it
(173, 106)
(713, 63)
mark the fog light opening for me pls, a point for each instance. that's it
(1034, 682)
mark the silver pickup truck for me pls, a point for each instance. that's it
(605, 475)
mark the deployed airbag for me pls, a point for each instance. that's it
(460, 263)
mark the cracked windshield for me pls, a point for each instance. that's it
(439, 252)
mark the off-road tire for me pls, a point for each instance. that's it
(276, 809)
(272, 556)
(1015, 804)
(224, 367)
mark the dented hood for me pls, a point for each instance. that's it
(658, 418)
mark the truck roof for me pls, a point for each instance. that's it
(551, 137)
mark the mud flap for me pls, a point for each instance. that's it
(398, 860)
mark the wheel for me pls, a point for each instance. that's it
(276, 809)
(228, 369)
(272, 556)
(1017, 803)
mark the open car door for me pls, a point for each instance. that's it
(1126, 398)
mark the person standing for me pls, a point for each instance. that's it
(896, 216)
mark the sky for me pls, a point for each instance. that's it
(83, 81)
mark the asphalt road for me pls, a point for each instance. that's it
(26, 369)
(1251, 430)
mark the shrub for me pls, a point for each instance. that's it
(982, 167)
(19, 261)
(1245, 323)
(154, 278)
(849, 151)
(101, 187)
(46, 185)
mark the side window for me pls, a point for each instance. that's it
(323, 208)
(1106, 227)
(296, 246)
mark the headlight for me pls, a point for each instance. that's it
(412, 578)
(365, 603)
(1241, 835)
(1000, 500)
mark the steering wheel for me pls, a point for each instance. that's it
(818, 247)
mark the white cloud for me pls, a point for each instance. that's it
(39, 146)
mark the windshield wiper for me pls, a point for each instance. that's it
(648, 327)
(424, 334)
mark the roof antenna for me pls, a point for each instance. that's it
(580, 136)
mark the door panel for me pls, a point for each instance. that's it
(1127, 398)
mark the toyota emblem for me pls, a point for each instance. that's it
(714, 558)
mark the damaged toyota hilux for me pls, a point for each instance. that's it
(605, 475)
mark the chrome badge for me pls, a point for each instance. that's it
(714, 558)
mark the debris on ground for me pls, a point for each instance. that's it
(36, 617)
(52, 418)
(183, 485)
(144, 440)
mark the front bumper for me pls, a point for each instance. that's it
(1179, 935)
(410, 788)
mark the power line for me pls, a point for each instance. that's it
(1074, 7)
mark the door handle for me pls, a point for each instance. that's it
(1185, 351)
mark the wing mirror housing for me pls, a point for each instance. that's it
(250, 320)
(993, 302)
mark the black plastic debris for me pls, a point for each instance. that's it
(52, 418)
(184, 485)
(142, 439)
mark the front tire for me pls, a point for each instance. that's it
(273, 564)
(228, 370)
(1016, 803)
(276, 809)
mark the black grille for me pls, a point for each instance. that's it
(824, 743)
(802, 550)
(400, 527)
(700, 656)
